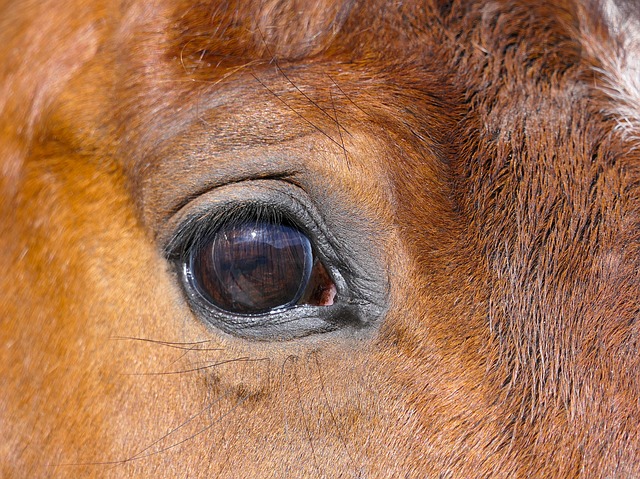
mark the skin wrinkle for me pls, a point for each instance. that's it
(473, 166)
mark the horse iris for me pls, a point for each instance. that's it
(253, 267)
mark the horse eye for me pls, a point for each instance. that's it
(257, 267)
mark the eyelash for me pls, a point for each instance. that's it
(194, 231)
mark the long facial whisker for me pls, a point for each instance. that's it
(340, 128)
(140, 454)
(330, 408)
(306, 423)
(285, 103)
(275, 62)
(200, 368)
(189, 346)
(349, 99)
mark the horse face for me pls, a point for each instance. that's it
(293, 239)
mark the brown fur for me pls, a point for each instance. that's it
(474, 146)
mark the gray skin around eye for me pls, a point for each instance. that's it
(353, 279)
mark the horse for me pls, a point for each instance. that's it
(278, 238)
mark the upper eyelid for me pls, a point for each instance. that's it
(269, 198)
(285, 177)
(196, 228)
(289, 199)
(212, 205)
(284, 198)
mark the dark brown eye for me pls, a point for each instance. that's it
(261, 263)
(253, 267)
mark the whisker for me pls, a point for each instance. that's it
(201, 368)
(274, 60)
(139, 455)
(184, 67)
(189, 346)
(194, 435)
(347, 96)
(335, 112)
(306, 425)
(284, 102)
(285, 419)
(331, 410)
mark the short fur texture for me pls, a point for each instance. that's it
(484, 155)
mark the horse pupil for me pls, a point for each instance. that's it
(253, 268)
